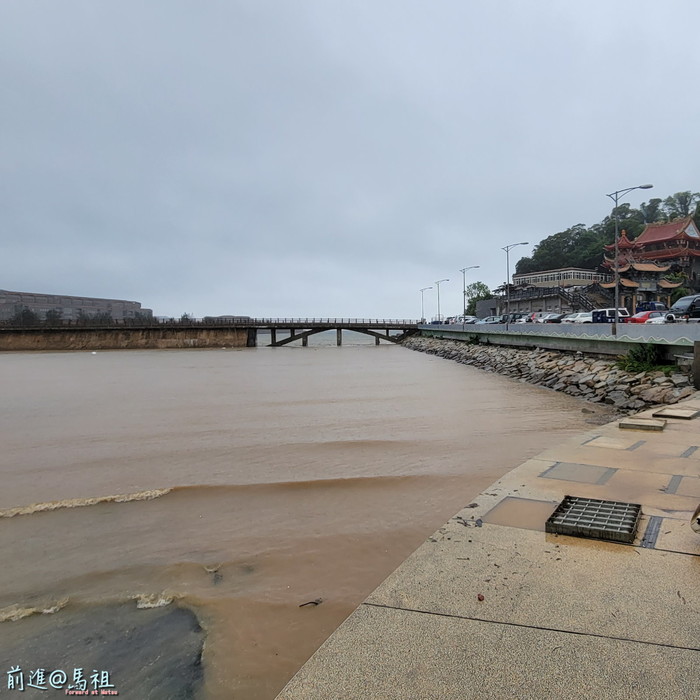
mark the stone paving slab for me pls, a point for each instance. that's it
(389, 654)
(552, 581)
(655, 424)
(626, 485)
(629, 459)
(676, 412)
(675, 536)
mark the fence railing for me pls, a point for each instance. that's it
(244, 322)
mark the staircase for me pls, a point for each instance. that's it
(602, 298)
(576, 300)
(584, 299)
(591, 297)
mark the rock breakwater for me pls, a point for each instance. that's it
(592, 378)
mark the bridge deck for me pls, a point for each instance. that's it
(205, 332)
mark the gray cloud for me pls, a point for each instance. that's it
(316, 158)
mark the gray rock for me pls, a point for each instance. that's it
(680, 380)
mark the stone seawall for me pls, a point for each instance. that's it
(591, 378)
(48, 339)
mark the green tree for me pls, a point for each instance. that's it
(628, 219)
(476, 291)
(652, 211)
(577, 246)
(53, 317)
(101, 318)
(25, 317)
(681, 204)
(680, 292)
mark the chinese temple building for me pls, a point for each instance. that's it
(645, 262)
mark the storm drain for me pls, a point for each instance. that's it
(590, 517)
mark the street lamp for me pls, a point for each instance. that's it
(615, 196)
(464, 285)
(507, 249)
(422, 312)
(437, 284)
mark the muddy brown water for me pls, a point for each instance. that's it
(236, 485)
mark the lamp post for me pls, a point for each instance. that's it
(615, 196)
(507, 249)
(464, 285)
(422, 306)
(437, 284)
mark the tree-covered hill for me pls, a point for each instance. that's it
(579, 246)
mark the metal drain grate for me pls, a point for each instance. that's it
(589, 517)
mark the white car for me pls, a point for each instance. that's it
(608, 315)
(664, 318)
(578, 317)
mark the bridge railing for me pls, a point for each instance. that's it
(241, 321)
(336, 321)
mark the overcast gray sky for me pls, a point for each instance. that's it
(326, 157)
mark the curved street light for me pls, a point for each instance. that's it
(464, 285)
(507, 249)
(437, 284)
(615, 196)
(422, 307)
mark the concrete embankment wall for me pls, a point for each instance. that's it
(594, 378)
(122, 339)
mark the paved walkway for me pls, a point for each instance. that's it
(493, 607)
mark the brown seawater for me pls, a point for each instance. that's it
(235, 485)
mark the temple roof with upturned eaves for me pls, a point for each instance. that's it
(624, 282)
(675, 232)
(628, 264)
(667, 284)
(667, 231)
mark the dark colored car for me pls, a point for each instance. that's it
(687, 307)
(553, 318)
(650, 306)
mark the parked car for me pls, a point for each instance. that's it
(552, 318)
(578, 317)
(650, 306)
(664, 318)
(491, 319)
(686, 307)
(644, 316)
(608, 315)
(459, 320)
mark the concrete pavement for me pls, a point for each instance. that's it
(491, 606)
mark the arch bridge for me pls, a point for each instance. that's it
(300, 329)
